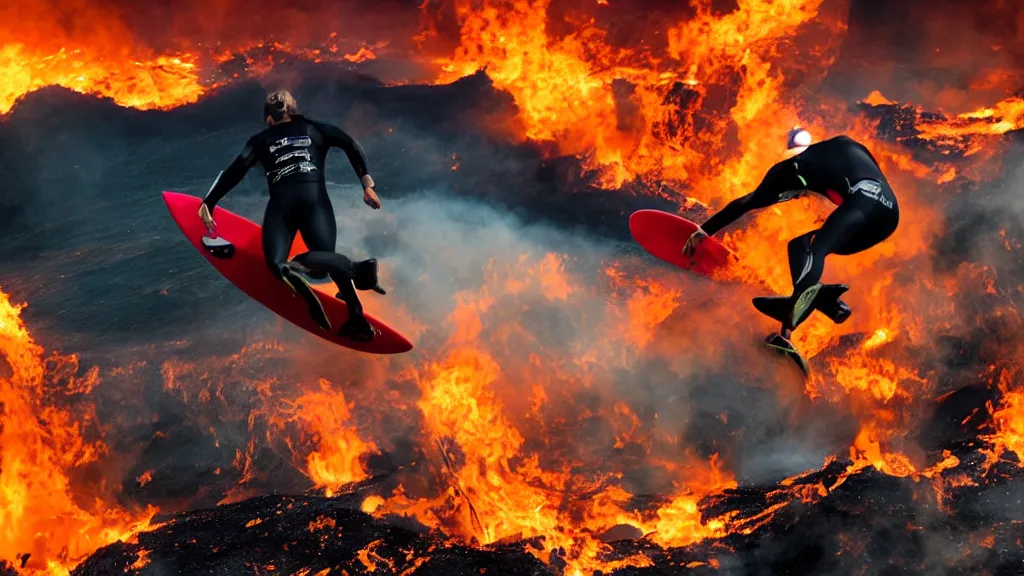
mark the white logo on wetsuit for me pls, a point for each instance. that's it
(301, 167)
(872, 189)
(304, 166)
(304, 154)
(304, 141)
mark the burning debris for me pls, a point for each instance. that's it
(562, 415)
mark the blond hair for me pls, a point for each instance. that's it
(279, 103)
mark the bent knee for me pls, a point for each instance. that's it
(313, 263)
(801, 243)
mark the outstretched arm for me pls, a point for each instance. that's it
(732, 212)
(338, 138)
(781, 179)
(234, 173)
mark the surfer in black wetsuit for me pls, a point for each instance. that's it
(846, 173)
(292, 151)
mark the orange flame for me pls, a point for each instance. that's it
(336, 460)
(1008, 416)
(40, 444)
(705, 112)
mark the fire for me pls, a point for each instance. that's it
(40, 445)
(702, 113)
(371, 560)
(142, 79)
(649, 305)
(569, 91)
(145, 82)
(619, 108)
(1008, 416)
(496, 484)
(104, 57)
(1001, 118)
(875, 98)
(679, 523)
(336, 460)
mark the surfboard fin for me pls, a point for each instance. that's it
(376, 289)
(804, 306)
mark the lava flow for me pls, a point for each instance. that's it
(570, 408)
(88, 48)
(47, 526)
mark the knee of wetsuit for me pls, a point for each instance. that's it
(801, 241)
(310, 269)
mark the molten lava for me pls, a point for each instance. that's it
(44, 518)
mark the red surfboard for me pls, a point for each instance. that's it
(664, 235)
(247, 270)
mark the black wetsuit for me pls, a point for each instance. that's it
(845, 172)
(292, 154)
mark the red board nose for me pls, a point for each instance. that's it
(664, 235)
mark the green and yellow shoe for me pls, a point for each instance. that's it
(782, 345)
(804, 306)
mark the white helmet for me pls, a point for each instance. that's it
(798, 138)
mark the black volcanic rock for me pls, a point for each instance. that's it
(285, 534)
(866, 513)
